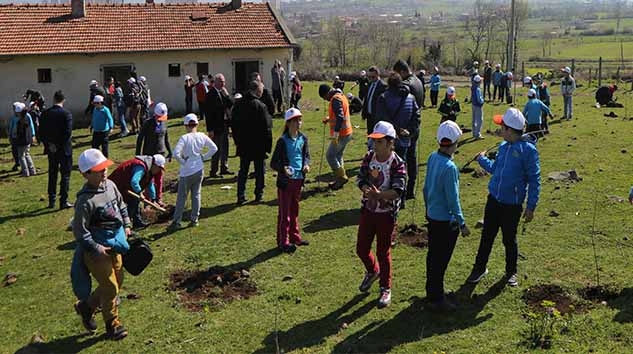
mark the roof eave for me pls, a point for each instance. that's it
(145, 51)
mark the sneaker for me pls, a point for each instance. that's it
(303, 243)
(173, 226)
(290, 248)
(369, 279)
(214, 175)
(227, 172)
(65, 205)
(116, 332)
(385, 298)
(87, 316)
(194, 223)
(241, 201)
(476, 275)
(513, 280)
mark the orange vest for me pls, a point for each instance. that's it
(346, 127)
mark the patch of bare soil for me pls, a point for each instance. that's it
(154, 216)
(171, 186)
(565, 302)
(414, 235)
(213, 288)
(599, 293)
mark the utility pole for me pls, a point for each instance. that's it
(510, 43)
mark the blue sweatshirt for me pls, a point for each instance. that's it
(476, 97)
(102, 120)
(515, 172)
(436, 81)
(137, 175)
(533, 109)
(13, 126)
(441, 189)
(496, 77)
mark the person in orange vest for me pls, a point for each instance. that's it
(340, 132)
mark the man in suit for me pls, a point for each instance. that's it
(376, 88)
(56, 129)
(218, 104)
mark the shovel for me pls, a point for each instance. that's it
(466, 169)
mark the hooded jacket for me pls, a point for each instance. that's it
(252, 128)
(398, 107)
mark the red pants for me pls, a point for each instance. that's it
(288, 217)
(381, 225)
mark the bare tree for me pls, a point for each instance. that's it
(478, 27)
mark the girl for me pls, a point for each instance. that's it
(291, 160)
(383, 179)
(449, 108)
(296, 90)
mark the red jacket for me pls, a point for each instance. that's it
(122, 175)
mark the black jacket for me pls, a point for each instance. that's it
(56, 128)
(153, 139)
(415, 88)
(216, 104)
(252, 128)
(267, 99)
(93, 92)
(380, 88)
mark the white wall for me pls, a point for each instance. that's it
(72, 74)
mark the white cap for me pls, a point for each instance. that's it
(93, 160)
(142, 78)
(363, 73)
(423, 72)
(18, 107)
(497, 65)
(349, 96)
(531, 93)
(477, 78)
(187, 77)
(448, 130)
(237, 96)
(566, 70)
(486, 62)
(436, 68)
(160, 111)
(514, 119)
(292, 113)
(336, 77)
(382, 129)
(509, 74)
(527, 80)
(191, 119)
(475, 63)
(450, 90)
(131, 80)
(97, 99)
(93, 83)
(159, 160)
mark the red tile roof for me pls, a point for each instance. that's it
(49, 29)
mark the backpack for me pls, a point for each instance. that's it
(24, 133)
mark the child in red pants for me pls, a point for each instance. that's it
(383, 179)
(291, 160)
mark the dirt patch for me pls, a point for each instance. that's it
(478, 173)
(413, 235)
(570, 176)
(565, 302)
(171, 186)
(211, 288)
(154, 216)
(600, 293)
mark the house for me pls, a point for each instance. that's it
(51, 47)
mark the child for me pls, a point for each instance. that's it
(436, 82)
(21, 134)
(443, 212)
(449, 108)
(477, 100)
(102, 123)
(545, 97)
(383, 179)
(101, 225)
(533, 110)
(515, 173)
(188, 152)
(291, 160)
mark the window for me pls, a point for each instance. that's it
(174, 70)
(43, 75)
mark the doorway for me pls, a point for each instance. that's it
(242, 70)
(119, 72)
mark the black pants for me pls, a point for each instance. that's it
(100, 140)
(412, 167)
(534, 128)
(203, 108)
(189, 104)
(506, 217)
(442, 240)
(495, 89)
(59, 163)
(487, 88)
(242, 176)
(294, 101)
(278, 99)
(221, 156)
(404, 152)
(434, 97)
(134, 211)
(502, 93)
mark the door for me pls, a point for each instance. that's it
(202, 69)
(242, 71)
(119, 72)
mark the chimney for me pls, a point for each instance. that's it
(149, 1)
(236, 4)
(78, 8)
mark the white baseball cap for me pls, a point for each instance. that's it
(292, 113)
(131, 80)
(383, 129)
(566, 70)
(363, 73)
(97, 99)
(191, 119)
(18, 107)
(486, 62)
(448, 130)
(336, 77)
(477, 78)
(497, 65)
(237, 96)
(475, 63)
(509, 74)
(527, 80)
(93, 83)
(160, 111)
(159, 160)
(450, 90)
(93, 160)
(531, 93)
(142, 78)
(187, 77)
(512, 118)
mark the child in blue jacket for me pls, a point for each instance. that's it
(436, 82)
(533, 111)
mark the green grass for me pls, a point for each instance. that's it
(326, 274)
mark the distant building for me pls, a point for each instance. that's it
(51, 47)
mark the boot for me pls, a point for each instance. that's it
(341, 178)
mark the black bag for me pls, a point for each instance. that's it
(138, 257)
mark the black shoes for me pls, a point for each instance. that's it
(115, 332)
(87, 316)
(65, 205)
(291, 248)
(303, 243)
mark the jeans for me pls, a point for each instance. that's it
(380, 226)
(26, 162)
(403, 152)
(100, 139)
(495, 89)
(478, 120)
(121, 111)
(59, 163)
(442, 240)
(506, 217)
(134, 210)
(288, 215)
(221, 156)
(568, 107)
(334, 153)
(188, 184)
(242, 176)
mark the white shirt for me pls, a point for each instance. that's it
(188, 152)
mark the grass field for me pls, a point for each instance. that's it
(319, 310)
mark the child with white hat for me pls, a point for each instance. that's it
(21, 135)
(101, 124)
(533, 112)
(477, 101)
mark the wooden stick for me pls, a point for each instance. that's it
(150, 203)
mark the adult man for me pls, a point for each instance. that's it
(267, 97)
(252, 132)
(363, 85)
(56, 131)
(376, 88)
(278, 74)
(202, 88)
(340, 132)
(218, 103)
(146, 98)
(487, 78)
(496, 83)
(189, 85)
(133, 102)
(515, 171)
(420, 76)
(567, 88)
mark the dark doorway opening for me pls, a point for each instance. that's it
(202, 69)
(119, 72)
(242, 70)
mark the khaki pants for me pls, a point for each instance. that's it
(108, 273)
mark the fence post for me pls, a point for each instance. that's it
(573, 67)
(590, 77)
(600, 72)
(522, 70)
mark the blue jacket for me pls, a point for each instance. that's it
(102, 120)
(476, 97)
(398, 107)
(436, 81)
(496, 77)
(441, 189)
(533, 109)
(515, 171)
(13, 126)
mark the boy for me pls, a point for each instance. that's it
(101, 124)
(188, 152)
(477, 100)
(533, 111)
(383, 179)
(443, 212)
(340, 132)
(101, 226)
(515, 171)
(567, 88)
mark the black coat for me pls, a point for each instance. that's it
(380, 88)
(267, 99)
(56, 128)
(216, 105)
(252, 128)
